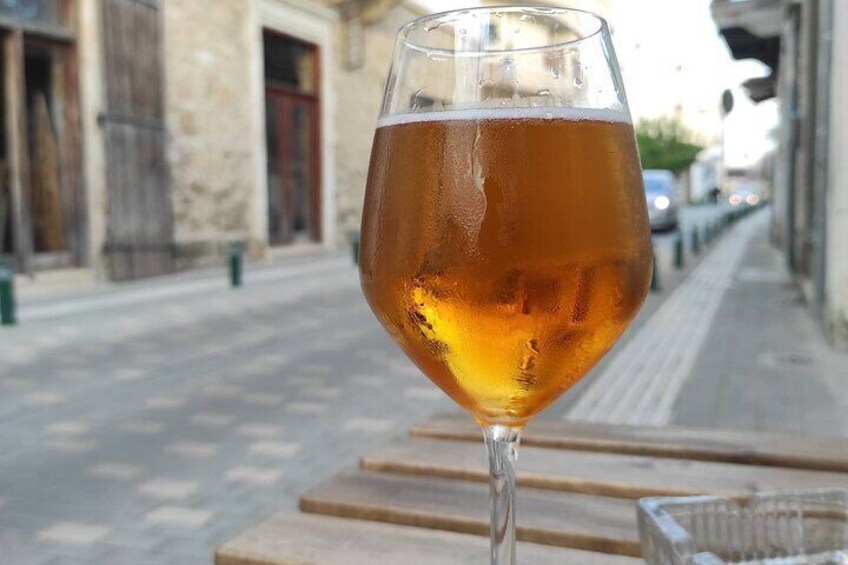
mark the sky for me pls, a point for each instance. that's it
(674, 62)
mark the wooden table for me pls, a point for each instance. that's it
(424, 498)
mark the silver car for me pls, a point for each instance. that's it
(661, 193)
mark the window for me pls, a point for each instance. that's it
(37, 11)
(290, 63)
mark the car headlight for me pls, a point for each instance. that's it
(661, 202)
(752, 199)
(735, 200)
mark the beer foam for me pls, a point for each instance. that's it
(521, 113)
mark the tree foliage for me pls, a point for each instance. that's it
(665, 143)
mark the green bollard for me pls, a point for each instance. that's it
(655, 273)
(7, 294)
(354, 247)
(696, 242)
(236, 264)
(678, 251)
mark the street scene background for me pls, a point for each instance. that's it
(150, 408)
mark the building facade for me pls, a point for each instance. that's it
(143, 136)
(805, 42)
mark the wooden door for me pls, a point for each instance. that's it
(292, 106)
(140, 224)
(294, 182)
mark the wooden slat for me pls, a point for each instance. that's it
(730, 446)
(320, 540)
(591, 523)
(626, 476)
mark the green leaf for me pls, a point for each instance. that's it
(665, 143)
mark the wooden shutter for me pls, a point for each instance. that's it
(140, 220)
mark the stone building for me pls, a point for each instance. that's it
(805, 42)
(271, 106)
(144, 136)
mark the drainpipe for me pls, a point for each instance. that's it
(792, 139)
(822, 141)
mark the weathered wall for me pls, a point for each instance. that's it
(837, 200)
(212, 117)
(91, 105)
(359, 94)
(207, 70)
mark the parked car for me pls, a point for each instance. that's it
(663, 200)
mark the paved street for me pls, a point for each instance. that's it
(147, 432)
(146, 423)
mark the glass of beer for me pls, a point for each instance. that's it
(505, 240)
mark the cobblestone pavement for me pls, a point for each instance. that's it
(641, 383)
(148, 423)
(147, 433)
(764, 364)
(733, 345)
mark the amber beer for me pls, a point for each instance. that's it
(505, 250)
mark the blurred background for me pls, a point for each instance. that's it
(185, 348)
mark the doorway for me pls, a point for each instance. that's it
(42, 220)
(292, 106)
(48, 203)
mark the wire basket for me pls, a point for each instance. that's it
(785, 528)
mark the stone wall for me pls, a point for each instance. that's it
(212, 153)
(836, 316)
(358, 96)
(210, 149)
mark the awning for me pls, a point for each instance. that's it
(751, 29)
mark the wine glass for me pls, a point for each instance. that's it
(505, 235)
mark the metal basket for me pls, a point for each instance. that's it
(786, 528)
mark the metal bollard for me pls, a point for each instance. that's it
(354, 246)
(655, 273)
(236, 264)
(696, 243)
(679, 260)
(7, 294)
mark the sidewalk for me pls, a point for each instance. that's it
(72, 291)
(765, 364)
(733, 347)
(60, 284)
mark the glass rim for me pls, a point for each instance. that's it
(451, 16)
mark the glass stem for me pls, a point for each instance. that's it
(502, 446)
